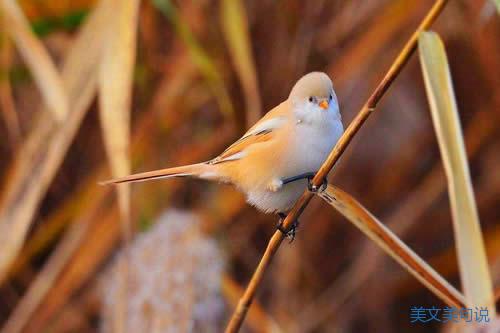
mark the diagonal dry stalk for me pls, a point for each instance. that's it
(42, 284)
(392, 245)
(235, 28)
(37, 58)
(43, 151)
(198, 55)
(7, 105)
(241, 310)
(258, 319)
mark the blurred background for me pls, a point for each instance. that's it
(202, 72)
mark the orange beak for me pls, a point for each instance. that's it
(323, 104)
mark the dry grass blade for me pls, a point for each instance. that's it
(391, 244)
(258, 319)
(239, 314)
(101, 237)
(472, 260)
(115, 89)
(45, 279)
(198, 56)
(34, 53)
(43, 152)
(446, 261)
(235, 28)
(497, 5)
(54, 225)
(6, 99)
(115, 84)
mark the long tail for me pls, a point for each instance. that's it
(199, 170)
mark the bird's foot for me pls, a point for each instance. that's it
(290, 231)
(314, 188)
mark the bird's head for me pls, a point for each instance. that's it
(313, 97)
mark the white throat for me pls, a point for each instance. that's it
(311, 114)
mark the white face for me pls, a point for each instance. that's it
(318, 111)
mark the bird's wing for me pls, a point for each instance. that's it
(263, 131)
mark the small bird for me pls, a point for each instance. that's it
(271, 162)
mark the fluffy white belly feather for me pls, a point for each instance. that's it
(308, 149)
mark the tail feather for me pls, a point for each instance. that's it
(200, 170)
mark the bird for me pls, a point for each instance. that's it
(274, 160)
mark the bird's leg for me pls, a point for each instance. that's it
(290, 232)
(310, 186)
(306, 175)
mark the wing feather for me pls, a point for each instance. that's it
(263, 131)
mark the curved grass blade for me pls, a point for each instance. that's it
(235, 28)
(392, 245)
(258, 319)
(6, 99)
(46, 278)
(115, 83)
(497, 5)
(38, 60)
(43, 152)
(198, 56)
(473, 264)
(116, 73)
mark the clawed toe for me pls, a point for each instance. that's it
(291, 231)
(314, 188)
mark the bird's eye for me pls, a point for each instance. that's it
(311, 99)
(331, 97)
